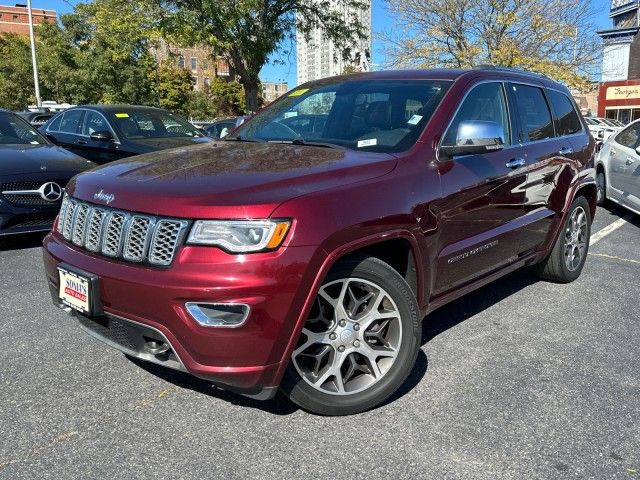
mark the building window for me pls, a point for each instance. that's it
(194, 79)
(15, 18)
(205, 64)
(194, 63)
(207, 84)
(222, 68)
(181, 61)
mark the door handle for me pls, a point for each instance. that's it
(630, 160)
(81, 142)
(516, 163)
(566, 151)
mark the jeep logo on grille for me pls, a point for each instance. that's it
(105, 197)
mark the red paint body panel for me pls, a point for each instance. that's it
(340, 201)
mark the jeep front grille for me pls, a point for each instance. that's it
(117, 234)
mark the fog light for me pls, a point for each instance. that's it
(218, 314)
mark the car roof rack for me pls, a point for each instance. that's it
(510, 69)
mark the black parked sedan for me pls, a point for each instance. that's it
(33, 174)
(103, 133)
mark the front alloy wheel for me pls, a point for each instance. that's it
(359, 342)
(351, 338)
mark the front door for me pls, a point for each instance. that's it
(98, 151)
(483, 196)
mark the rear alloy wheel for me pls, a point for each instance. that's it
(569, 253)
(601, 187)
(359, 343)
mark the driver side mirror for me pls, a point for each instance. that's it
(638, 150)
(475, 137)
(102, 136)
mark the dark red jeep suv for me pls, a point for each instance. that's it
(302, 252)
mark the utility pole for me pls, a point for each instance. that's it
(34, 61)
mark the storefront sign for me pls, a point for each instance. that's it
(623, 92)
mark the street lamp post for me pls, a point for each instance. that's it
(34, 61)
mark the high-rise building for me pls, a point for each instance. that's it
(15, 19)
(319, 57)
(619, 92)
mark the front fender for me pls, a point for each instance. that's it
(328, 261)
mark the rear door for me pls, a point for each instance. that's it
(482, 207)
(546, 133)
(67, 132)
(624, 167)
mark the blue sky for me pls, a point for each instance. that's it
(381, 20)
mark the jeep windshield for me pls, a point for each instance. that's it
(359, 114)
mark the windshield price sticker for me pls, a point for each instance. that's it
(122, 115)
(367, 143)
(297, 93)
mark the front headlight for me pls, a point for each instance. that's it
(239, 236)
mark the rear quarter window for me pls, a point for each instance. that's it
(54, 126)
(567, 120)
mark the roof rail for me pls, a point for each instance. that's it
(509, 69)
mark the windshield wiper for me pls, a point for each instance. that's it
(302, 141)
(239, 138)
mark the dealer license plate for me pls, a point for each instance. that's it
(74, 290)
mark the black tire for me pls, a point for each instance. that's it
(555, 267)
(380, 274)
(601, 187)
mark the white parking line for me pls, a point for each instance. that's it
(612, 227)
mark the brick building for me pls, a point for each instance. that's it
(272, 90)
(16, 19)
(199, 61)
(619, 92)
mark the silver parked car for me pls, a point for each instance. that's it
(618, 168)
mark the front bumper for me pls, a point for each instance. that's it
(249, 358)
(16, 220)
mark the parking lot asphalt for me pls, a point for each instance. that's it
(520, 379)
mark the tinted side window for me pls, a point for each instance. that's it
(567, 120)
(533, 111)
(55, 125)
(629, 136)
(94, 122)
(486, 102)
(71, 121)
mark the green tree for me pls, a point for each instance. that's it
(246, 32)
(62, 67)
(16, 76)
(175, 87)
(228, 97)
(201, 106)
(113, 38)
(555, 37)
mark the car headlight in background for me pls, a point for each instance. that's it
(240, 236)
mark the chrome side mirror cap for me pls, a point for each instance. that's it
(476, 137)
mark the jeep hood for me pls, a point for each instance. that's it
(226, 179)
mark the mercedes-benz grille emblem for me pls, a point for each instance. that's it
(51, 191)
